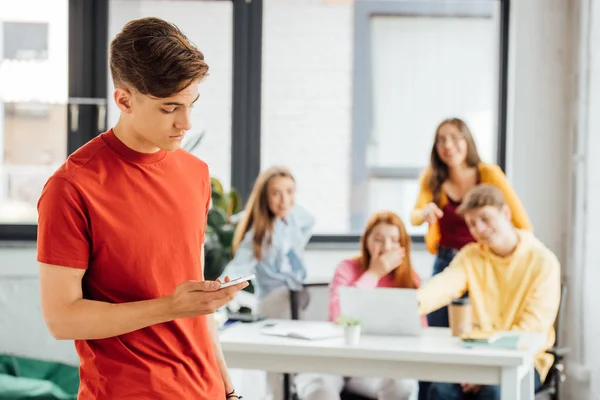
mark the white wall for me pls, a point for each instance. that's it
(554, 95)
(22, 330)
(583, 314)
(539, 114)
(307, 102)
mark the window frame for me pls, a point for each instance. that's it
(362, 110)
(88, 46)
(87, 81)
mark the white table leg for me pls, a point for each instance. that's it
(527, 385)
(510, 388)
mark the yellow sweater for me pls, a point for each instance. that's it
(488, 173)
(516, 293)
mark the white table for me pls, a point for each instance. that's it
(435, 356)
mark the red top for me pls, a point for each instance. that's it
(454, 232)
(136, 222)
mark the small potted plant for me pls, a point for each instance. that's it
(351, 329)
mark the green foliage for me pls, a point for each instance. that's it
(219, 227)
(220, 230)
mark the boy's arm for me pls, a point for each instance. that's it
(71, 317)
(214, 334)
(445, 286)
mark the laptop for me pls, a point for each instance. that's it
(383, 311)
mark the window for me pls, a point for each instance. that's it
(425, 69)
(352, 93)
(30, 46)
(345, 93)
(209, 24)
(33, 97)
(70, 118)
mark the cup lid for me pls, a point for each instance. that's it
(463, 301)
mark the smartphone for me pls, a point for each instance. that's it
(236, 281)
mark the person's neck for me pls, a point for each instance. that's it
(506, 245)
(130, 138)
(459, 173)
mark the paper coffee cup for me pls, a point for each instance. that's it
(460, 314)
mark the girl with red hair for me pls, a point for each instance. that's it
(384, 262)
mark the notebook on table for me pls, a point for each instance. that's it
(306, 330)
(497, 341)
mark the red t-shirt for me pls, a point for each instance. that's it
(136, 222)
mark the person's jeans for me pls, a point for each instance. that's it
(439, 318)
(453, 391)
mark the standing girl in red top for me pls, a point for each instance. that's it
(454, 169)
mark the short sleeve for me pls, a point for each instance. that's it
(63, 226)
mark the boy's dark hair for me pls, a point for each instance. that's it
(481, 196)
(155, 58)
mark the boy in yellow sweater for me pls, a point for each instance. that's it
(513, 282)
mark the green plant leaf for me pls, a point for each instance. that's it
(226, 235)
(348, 321)
(234, 202)
(216, 218)
(219, 231)
(218, 197)
(214, 264)
(216, 186)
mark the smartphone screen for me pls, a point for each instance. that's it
(236, 281)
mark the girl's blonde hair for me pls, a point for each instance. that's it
(257, 214)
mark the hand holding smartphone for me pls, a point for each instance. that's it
(236, 281)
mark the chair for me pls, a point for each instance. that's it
(343, 396)
(288, 384)
(351, 396)
(556, 376)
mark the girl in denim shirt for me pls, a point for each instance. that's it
(269, 242)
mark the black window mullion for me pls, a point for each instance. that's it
(503, 83)
(88, 42)
(246, 98)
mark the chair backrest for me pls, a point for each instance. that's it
(561, 312)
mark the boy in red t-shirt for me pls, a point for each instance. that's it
(121, 230)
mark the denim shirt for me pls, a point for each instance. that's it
(282, 260)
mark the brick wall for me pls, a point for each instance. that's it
(307, 99)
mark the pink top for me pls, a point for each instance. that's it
(349, 273)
